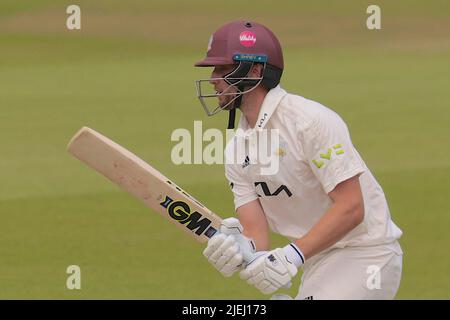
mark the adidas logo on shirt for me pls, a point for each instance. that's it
(246, 162)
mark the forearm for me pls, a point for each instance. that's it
(337, 221)
(252, 218)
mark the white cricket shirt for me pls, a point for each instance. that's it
(315, 154)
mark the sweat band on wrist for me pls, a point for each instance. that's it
(294, 254)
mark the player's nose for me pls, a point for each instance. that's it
(214, 77)
(213, 80)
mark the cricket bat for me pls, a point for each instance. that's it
(144, 182)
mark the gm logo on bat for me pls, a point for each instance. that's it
(181, 212)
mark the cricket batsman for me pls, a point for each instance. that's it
(322, 197)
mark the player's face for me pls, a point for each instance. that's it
(221, 86)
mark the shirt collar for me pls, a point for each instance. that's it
(270, 103)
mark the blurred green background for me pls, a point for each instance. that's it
(129, 74)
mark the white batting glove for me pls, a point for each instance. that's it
(274, 269)
(229, 249)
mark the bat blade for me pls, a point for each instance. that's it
(144, 182)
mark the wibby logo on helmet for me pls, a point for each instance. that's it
(247, 39)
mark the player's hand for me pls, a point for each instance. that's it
(274, 269)
(228, 249)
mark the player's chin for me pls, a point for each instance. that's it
(228, 107)
(225, 104)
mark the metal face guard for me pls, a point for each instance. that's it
(233, 82)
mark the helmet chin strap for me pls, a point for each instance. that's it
(231, 118)
(236, 104)
(232, 115)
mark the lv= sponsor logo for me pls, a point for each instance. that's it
(327, 156)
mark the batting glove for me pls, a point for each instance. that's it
(274, 269)
(229, 249)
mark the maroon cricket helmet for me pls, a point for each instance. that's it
(241, 43)
(242, 37)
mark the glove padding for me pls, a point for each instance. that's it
(224, 254)
(270, 272)
(227, 249)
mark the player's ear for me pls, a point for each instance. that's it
(257, 70)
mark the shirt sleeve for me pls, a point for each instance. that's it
(330, 152)
(243, 190)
